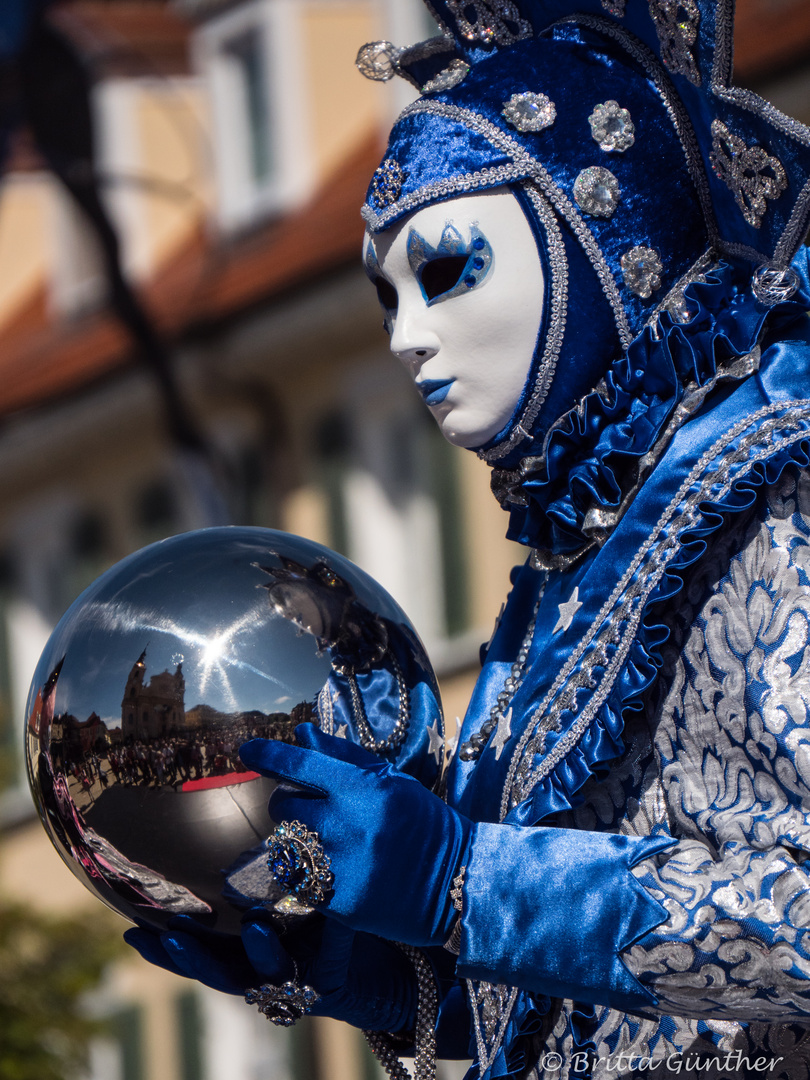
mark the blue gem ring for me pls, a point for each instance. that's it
(283, 1005)
(298, 863)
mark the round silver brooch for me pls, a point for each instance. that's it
(771, 286)
(530, 112)
(597, 191)
(612, 127)
(642, 269)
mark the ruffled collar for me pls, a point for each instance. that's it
(568, 497)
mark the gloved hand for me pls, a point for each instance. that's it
(394, 846)
(362, 980)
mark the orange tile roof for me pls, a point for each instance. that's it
(41, 360)
(127, 37)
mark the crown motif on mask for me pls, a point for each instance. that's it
(756, 160)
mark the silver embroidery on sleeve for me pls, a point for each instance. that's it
(733, 742)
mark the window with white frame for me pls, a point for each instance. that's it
(250, 57)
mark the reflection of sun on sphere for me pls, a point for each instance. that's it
(154, 678)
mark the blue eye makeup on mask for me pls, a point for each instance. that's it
(451, 269)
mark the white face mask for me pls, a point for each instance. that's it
(461, 284)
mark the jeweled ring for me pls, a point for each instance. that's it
(298, 863)
(283, 1005)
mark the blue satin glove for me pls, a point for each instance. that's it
(394, 846)
(362, 980)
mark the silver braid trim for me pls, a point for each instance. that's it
(558, 311)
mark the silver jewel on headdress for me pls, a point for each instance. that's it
(497, 21)
(676, 23)
(614, 7)
(386, 184)
(771, 286)
(642, 269)
(378, 60)
(529, 112)
(750, 172)
(455, 73)
(612, 127)
(597, 191)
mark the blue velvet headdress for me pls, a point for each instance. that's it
(636, 160)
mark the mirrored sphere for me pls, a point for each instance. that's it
(154, 678)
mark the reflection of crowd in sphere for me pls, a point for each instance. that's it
(174, 760)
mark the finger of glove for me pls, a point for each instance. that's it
(187, 924)
(331, 965)
(266, 953)
(305, 769)
(289, 805)
(151, 949)
(232, 974)
(312, 738)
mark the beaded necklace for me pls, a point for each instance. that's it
(498, 714)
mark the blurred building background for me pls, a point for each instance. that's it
(232, 142)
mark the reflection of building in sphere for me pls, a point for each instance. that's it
(81, 737)
(156, 708)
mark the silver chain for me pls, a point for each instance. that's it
(394, 740)
(473, 747)
(427, 1011)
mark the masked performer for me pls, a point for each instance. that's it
(584, 239)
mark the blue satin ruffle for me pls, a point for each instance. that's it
(588, 453)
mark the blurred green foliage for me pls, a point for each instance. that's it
(47, 966)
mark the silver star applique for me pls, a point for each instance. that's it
(342, 731)
(502, 733)
(436, 741)
(567, 612)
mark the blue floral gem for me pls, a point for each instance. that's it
(386, 184)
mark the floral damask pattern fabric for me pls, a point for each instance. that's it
(720, 759)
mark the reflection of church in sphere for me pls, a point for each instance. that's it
(151, 710)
